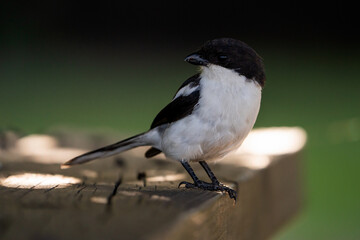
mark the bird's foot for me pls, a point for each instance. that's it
(210, 187)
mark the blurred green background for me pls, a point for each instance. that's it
(54, 74)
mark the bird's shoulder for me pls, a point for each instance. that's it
(182, 105)
(192, 81)
(190, 85)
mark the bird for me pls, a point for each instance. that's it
(209, 116)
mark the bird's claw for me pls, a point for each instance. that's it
(210, 187)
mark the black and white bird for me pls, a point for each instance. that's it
(209, 116)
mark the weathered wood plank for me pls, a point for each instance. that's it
(110, 202)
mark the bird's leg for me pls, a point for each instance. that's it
(191, 173)
(215, 185)
(209, 173)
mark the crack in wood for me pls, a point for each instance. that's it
(79, 191)
(50, 189)
(26, 192)
(117, 184)
(29, 190)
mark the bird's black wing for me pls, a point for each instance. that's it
(180, 107)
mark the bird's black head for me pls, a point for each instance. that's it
(231, 54)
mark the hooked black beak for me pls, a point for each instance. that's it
(196, 59)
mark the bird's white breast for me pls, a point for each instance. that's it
(226, 112)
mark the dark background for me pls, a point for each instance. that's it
(185, 22)
(111, 66)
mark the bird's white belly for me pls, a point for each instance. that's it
(226, 113)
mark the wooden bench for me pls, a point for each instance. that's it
(130, 197)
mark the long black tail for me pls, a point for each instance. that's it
(129, 143)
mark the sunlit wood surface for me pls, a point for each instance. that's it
(130, 197)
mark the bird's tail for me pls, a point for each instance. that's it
(129, 143)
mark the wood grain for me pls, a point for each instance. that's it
(111, 202)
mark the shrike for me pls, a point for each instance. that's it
(210, 115)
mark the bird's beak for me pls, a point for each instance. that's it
(196, 59)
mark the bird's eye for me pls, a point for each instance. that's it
(222, 57)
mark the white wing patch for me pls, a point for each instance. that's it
(186, 90)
